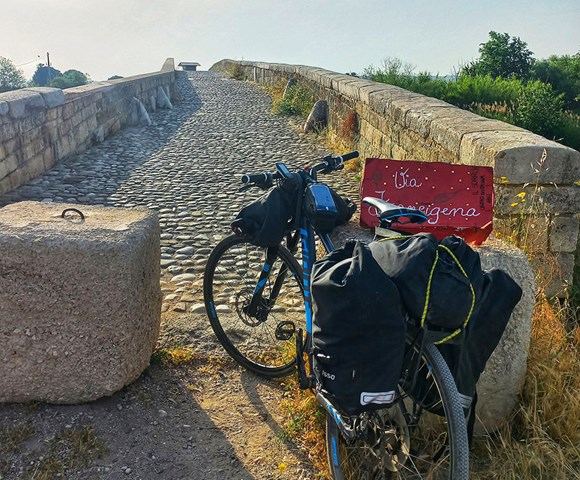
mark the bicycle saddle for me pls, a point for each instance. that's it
(392, 213)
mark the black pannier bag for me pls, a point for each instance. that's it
(345, 207)
(500, 295)
(487, 306)
(358, 330)
(438, 281)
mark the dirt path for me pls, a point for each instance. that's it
(203, 419)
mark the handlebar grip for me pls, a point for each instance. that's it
(349, 156)
(258, 178)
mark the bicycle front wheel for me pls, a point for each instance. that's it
(408, 440)
(264, 342)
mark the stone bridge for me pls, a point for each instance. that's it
(185, 164)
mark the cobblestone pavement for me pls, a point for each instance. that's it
(186, 166)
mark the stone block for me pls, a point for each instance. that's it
(564, 234)
(503, 379)
(515, 154)
(53, 97)
(547, 199)
(79, 300)
(554, 272)
(8, 165)
(20, 102)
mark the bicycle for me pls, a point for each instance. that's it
(255, 295)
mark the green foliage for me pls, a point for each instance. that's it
(539, 108)
(70, 78)
(502, 56)
(470, 91)
(567, 132)
(394, 72)
(11, 78)
(43, 75)
(297, 100)
(531, 104)
(563, 73)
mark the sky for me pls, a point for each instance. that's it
(130, 37)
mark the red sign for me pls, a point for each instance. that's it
(458, 199)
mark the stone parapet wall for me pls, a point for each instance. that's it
(398, 124)
(40, 126)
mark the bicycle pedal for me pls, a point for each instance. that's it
(285, 330)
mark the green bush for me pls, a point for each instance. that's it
(539, 109)
(298, 100)
(568, 133)
(467, 92)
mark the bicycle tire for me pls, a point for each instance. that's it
(398, 432)
(266, 346)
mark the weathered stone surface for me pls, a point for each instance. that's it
(53, 97)
(4, 108)
(515, 155)
(563, 234)
(318, 117)
(79, 300)
(139, 115)
(163, 99)
(20, 102)
(503, 378)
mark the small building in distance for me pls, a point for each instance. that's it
(189, 66)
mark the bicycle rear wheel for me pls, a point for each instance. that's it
(265, 342)
(407, 440)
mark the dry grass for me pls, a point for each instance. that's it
(69, 449)
(11, 440)
(542, 440)
(304, 423)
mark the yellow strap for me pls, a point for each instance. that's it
(458, 331)
(428, 292)
(398, 237)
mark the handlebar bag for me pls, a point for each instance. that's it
(358, 330)
(265, 221)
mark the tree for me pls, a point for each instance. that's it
(44, 75)
(11, 77)
(563, 73)
(502, 56)
(70, 78)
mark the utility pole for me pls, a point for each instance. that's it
(48, 64)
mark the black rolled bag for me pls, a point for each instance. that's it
(358, 330)
(265, 221)
(445, 275)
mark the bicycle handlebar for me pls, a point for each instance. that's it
(265, 180)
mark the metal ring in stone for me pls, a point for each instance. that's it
(75, 210)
